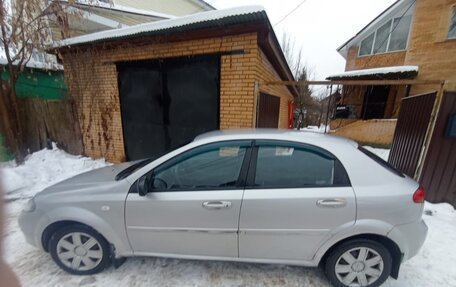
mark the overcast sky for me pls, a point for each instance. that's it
(318, 26)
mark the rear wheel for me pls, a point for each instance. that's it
(360, 262)
(79, 250)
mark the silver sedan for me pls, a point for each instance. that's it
(266, 196)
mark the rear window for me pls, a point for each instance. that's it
(381, 161)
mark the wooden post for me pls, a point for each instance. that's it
(256, 103)
(329, 106)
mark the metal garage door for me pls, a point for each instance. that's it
(166, 103)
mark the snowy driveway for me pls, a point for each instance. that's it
(434, 266)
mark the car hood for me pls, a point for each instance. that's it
(97, 177)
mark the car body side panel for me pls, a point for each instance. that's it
(364, 226)
(178, 223)
(288, 224)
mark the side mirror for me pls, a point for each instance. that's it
(142, 186)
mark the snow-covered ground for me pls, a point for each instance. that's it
(316, 129)
(433, 266)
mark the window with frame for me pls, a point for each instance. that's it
(452, 30)
(295, 166)
(214, 166)
(391, 36)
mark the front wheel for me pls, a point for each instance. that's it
(360, 262)
(79, 250)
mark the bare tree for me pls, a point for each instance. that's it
(24, 30)
(306, 104)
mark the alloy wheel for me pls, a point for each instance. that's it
(79, 251)
(359, 266)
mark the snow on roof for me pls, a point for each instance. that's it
(376, 71)
(161, 25)
(45, 64)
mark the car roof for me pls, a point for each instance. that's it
(309, 137)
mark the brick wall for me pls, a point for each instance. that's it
(266, 72)
(429, 47)
(375, 61)
(92, 80)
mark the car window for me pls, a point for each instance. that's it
(381, 161)
(294, 166)
(215, 166)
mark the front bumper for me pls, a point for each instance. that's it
(409, 237)
(29, 225)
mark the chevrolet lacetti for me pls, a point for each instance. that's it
(265, 196)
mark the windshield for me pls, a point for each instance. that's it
(141, 163)
(131, 169)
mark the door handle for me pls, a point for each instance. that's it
(216, 204)
(334, 202)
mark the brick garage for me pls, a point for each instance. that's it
(243, 40)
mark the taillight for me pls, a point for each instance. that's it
(419, 195)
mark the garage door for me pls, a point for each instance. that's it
(166, 103)
(268, 111)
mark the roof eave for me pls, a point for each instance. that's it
(390, 8)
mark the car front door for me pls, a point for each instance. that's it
(296, 196)
(192, 205)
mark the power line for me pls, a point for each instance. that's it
(289, 13)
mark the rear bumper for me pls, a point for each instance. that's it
(409, 237)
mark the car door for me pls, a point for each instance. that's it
(193, 203)
(296, 196)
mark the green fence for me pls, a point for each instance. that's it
(5, 155)
(46, 85)
(35, 83)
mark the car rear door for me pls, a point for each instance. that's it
(296, 196)
(193, 204)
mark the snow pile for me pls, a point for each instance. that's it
(41, 169)
(431, 267)
(161, 25)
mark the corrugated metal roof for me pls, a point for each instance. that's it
(216, 18)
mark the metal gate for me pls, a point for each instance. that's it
(410, 133)
(167, 102)
(439, 169)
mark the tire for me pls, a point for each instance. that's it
(369, 264)
(79, 250)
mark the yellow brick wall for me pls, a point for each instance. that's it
(374, 132)
(373, 61)
(429, 47)
(92, 80)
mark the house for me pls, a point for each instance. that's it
(172, 7)
(142, 90)
(412, 39)
(85, 16)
